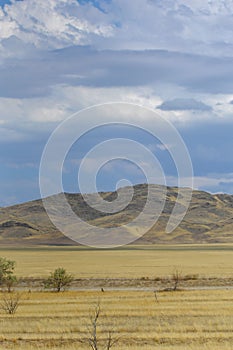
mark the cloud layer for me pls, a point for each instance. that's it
(174, 56)
(187, 26)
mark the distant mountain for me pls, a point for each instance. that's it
(209, 219)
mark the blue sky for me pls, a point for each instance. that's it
(3, 2)
(57, 57)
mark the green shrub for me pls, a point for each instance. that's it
(58, 280)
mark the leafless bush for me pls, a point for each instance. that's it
(176, 278)
(93, 338)
(10, 302)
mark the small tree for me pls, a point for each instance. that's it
(6, 273)
(58, 280)
(10, 281)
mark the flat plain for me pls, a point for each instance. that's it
(126, 262)
(137, 319)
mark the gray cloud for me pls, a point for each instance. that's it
(77, 66)
(151, 38)
(184, 104)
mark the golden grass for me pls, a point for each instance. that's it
(179, 320)
(125, 263)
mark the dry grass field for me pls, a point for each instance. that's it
(128, 262)
(188, 319)
(177, 320)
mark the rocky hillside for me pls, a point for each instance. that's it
(208, 220)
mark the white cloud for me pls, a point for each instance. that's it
(8, 27)
(82, 97)
(40, 114)
(25, 114)
(188, 26)
(164, 147)
(8, 135)
(22, 165)
(213, 182)
(43, 114)
(51, 23)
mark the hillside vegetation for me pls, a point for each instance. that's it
(208, 220)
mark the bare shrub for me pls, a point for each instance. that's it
(10, 302)
(93, 338)
(176, 278)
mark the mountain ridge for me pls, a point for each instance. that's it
(209, 219)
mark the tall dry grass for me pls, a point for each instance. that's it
(177, 320)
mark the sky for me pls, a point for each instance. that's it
(60, 56)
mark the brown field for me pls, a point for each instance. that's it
(178, 320)
(128, 262)
(183, 320)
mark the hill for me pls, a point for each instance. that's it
(209, 219)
